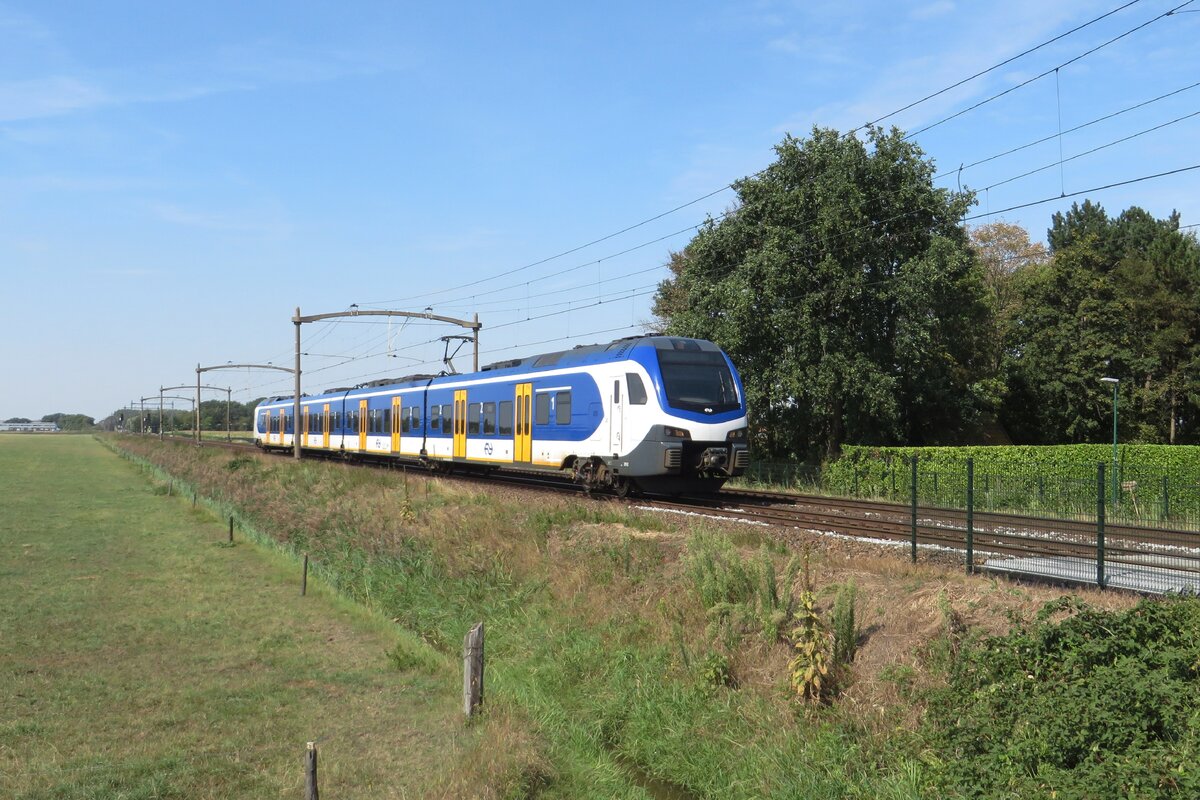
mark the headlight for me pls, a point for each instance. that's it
(676, 433)
(736, 436)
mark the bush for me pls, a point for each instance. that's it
(1102, 704)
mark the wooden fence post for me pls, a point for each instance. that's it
(310, 773)
(231, 530)
(304, 578)
(473, 670)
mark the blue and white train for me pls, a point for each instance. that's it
(657, 414)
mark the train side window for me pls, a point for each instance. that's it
(447, 414)
(405, 419)
(506, 417)
(637, 389)
(435, 418)
(474, 412)
(541, 409)
(489, 418)
(386, 427)
(416, 415)
(562, 408)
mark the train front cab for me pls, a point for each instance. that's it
(697, 439)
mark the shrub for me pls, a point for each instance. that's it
(1101, 704)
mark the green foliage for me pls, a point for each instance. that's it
(739, 593)
(1120, 298)
(713, 670)
(1162, 479)
(71, 422)
(1100, 704)
(845, 629)
(844, 288)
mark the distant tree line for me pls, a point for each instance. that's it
(212, 417)
(66, 422)
(860, 309)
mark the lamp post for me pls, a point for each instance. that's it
(1115, 382)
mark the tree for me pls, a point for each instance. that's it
(1121, 298)
(71, 422)
(1004, 250)
(843, 287)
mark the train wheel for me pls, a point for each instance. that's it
(624, 487)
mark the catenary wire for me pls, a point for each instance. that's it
(508, 273)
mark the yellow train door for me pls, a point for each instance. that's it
(396, 424)
(325, 426)
(460, 423)
(304, 436)
(522, 423)
(362, 424)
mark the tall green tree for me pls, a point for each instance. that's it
(1120, 298)
(843, 286)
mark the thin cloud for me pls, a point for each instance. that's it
(225, 223)
(932, 10)
(49, 97)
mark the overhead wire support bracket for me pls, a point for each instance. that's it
(472, 325)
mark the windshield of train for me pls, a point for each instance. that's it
(697, 380)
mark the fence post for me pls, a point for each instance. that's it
(304, 579)
(310, 773)
(914, 509)
(473, 670)
(231, 530)
(1100, 525)
(970, 515)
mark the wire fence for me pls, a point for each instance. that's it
(1137, 530)
(1137, 496)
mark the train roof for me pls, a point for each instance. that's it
(580, 355)
(615, 350)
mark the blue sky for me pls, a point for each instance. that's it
(175, 179)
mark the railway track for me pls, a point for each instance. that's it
(886, 522)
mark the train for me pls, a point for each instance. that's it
(649, 414)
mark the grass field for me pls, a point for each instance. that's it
(630, 654)
(142, 657)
